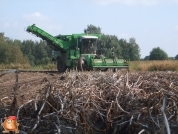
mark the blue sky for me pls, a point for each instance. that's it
(153, 23)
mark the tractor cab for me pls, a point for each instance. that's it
(88, 49)
(88, 44)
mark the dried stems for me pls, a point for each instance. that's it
(103, 102)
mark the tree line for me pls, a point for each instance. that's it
(159, 54)
(39, 53)
(122, 48)
(127, 50)
(23, 52)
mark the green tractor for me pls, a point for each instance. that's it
(81, 51)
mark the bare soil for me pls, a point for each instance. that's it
(29, 83)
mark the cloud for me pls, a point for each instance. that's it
(35, 16)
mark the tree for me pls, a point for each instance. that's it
(171, 58)
(91, 29)
(125, 48)
(110, 42)
(16, 55)
(146, 58)
(28, 49)
(176, 57)
(121, 48)
(134, 50)
(4, 53)
(15, 51)
(36, 52)
(10, 51)
(1, 38)
(130, 50)
(158, 54)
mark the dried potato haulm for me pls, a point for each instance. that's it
(93, 102)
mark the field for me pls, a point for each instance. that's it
(91, 102)
(163, 65)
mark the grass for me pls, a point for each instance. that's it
(27, 66)
(15, 66)
(166, 65)
(50, 66)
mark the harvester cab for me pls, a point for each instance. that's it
(88, 44)
(88, 51)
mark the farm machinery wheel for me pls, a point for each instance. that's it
(61, 66)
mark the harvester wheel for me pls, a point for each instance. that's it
(61, 66)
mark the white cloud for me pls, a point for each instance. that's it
(35, 16)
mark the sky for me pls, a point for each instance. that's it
(153, 23)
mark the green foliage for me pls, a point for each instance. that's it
(36, 53)
(10, 51)
(134, 50)
(130, 50)
(4, 53)
(146, 58)
(16, 55)
(111, 44)
(176, 57)
(122, 49)
(171, 58)
(91, 29)
(158, 54)
(28, 51)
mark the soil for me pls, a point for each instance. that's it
(28, 85)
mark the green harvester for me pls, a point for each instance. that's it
(81, 51)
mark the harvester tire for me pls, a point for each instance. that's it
(61, 66)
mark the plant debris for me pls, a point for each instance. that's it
(92, 102)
